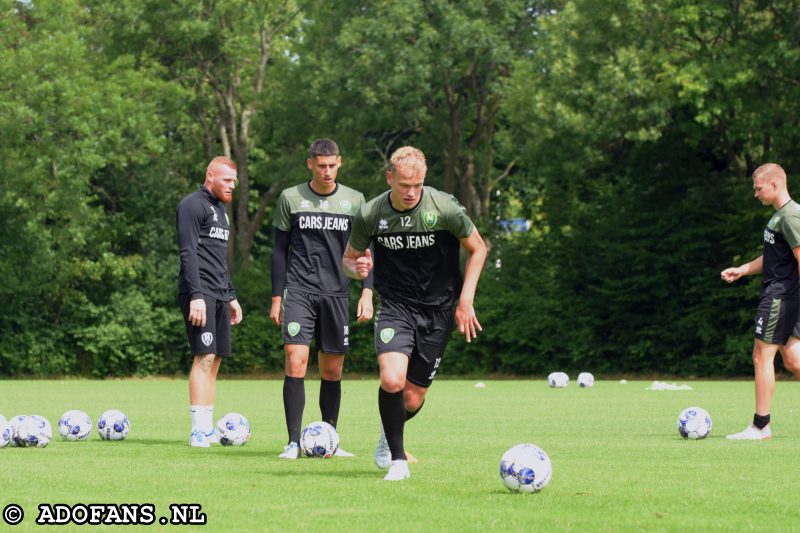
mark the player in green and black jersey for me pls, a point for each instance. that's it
(776, 323)
(310, 290)
(417, 233)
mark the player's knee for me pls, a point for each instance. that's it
(413, 401)
(392, 383)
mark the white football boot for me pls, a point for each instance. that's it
(213, 437)
(198, 439)
(290, 451)
(341, 453)
(751, 432)
(398, 471)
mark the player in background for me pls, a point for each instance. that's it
(776, 324)
(205, 292)
(309, 289)
(417, 233)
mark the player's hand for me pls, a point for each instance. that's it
(466, 321)
(197, 312)
(275, 310)
(364, 264)
(365, 309)
(236, 312)
(732, 274)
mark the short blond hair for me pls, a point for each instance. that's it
(408, 156)
(770, 171)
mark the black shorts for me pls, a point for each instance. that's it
(215, 336)
(420, 333)
(776, 319)
(322, 318)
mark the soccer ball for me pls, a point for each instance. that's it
(319, 439)
(694, 423)
(557, 379)
(233, 430)
(525, 468)
(31, 431)
(585, 379)
(6, 433)
(113, 425)
(75, 425)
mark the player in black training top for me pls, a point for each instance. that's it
(417, 233)
(205, 292)
(776, 326)
(310, 290)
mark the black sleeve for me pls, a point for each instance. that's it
(280, 257)
(367, 282)
(188, 226)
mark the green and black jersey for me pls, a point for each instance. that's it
(416, 251)
(319, 226)
(779, 278)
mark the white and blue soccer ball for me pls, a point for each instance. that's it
(31, 431)
(319, 439)
(113, 425)
(585, 379)
(6, 433)
(233, 430)
(75, 425)
(525, 468)
(694, 423)
(558, 379)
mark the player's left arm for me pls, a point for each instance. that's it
(466, 320)
(365, 308)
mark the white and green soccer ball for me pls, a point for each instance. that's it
(30, 431)
(558, 379)
(319, 439)
(233, 430)
(694, 423)
(525, 468)
(75, 425)
(585, 379)
(113, 425)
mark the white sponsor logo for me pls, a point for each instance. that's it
(218, 233)
(435, 366)
(324, 223)
(382, 224)
(207, 338)
(305, 204)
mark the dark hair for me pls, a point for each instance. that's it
(323, 147)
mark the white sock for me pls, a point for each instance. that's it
(202, 418)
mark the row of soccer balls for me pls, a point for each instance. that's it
(34, 431)
(561, 379)
(527, 468)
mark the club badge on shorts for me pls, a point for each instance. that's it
(387, 334)
(293, 328)
(207, 338)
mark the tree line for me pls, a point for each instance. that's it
(625, 132)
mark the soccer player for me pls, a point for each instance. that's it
(205, 292)
(417, 232)
(309, 289)
(776, 323)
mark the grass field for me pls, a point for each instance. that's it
(619, 464)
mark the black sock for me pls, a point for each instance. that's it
(294, 401)
(392, 409)
(412, 414)
(760, 421)
(330, 397)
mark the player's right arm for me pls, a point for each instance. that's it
(357, 263)
(753, 267)
(188, 222)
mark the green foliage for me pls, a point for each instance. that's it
(625, 132)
